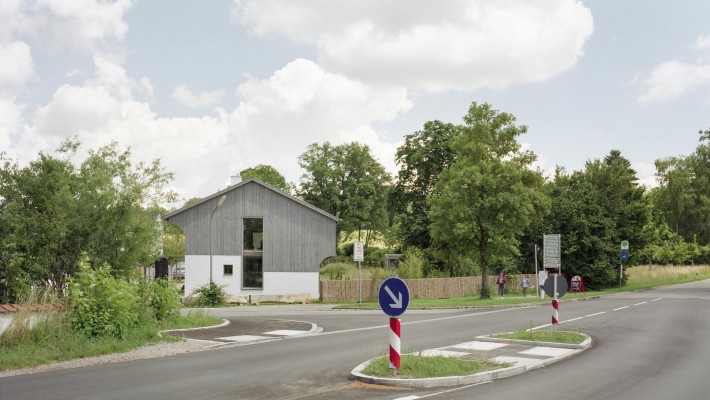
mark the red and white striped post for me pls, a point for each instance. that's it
(555, 305)
(555, 314)
(395, 329)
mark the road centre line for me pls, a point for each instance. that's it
(424, 321)
(620, 308)
(638, 304)
(657, 299)
(595, 314)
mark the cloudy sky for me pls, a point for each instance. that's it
(213, 87)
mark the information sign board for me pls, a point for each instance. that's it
(552, 252)
(358, 251)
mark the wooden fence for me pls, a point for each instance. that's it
(433, 288)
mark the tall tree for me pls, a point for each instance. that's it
(423, 157)
(53, 211)
(684, 192)
(268, 174)
(485, 200)
(347, 182)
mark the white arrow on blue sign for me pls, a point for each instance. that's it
(394, 297)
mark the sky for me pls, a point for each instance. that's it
(213, 87)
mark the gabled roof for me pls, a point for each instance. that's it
(264, 184)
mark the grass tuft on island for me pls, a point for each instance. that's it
(417, 367)
(566, 337)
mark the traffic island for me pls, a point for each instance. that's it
(508, 357)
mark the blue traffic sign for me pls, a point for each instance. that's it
(394, 297)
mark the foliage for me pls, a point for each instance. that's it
(485, 200)
(423, 157)
(412, 265)
(594, 210)
(210, 295)
(164, 300)
(101, 305)
(52, 211)
(683, 196)
(267, 174)
(335, 271)
(347, 182)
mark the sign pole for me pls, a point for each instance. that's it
(537, 277)
(621, 271)
(359, 280)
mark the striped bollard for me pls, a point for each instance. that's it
(395, 344)
(555, 313)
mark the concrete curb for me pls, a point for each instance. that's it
(487, 376)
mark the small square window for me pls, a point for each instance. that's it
(228, 269)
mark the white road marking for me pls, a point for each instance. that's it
(244, 338)
(620, 308)
(638, 304)
(445, 353)
(595, 314)
(546, 351)
(286, 332)
(476, 345)
(657, 299)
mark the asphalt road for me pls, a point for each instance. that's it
(648, 345)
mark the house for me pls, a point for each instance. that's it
(256, 240)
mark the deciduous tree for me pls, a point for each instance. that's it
(485, 200)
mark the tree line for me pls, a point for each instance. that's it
(466, 197)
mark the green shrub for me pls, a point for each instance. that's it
(374, 257)
(412, 265)
(335, 271)
(101, 305)
(210, 295)
(164, 300)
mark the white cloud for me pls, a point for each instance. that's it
(672, 79)
(16, 67)
(302, 104)
(459, 45)
(184, 96)
(703, 42)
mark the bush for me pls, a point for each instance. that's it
(210, 295)
(335, 271)
(164, 300)
(412, 266)
(101, 305)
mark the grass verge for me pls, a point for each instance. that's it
(544, 336)
(417, 367)
(29, 343)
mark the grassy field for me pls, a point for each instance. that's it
(51, 339)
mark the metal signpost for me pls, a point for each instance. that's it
(624, 256)
(555, 287)
(359, 256)
(394, 299)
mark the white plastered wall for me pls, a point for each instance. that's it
(197, 273)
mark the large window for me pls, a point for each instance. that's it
(253, 250)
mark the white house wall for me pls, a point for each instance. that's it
(197, 273)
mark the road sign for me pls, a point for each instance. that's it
(624, 249)
(577, 284)
(552, 252)
(358, 251)
(549, 286)
(394, 297)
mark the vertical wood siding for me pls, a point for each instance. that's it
(296, 237)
